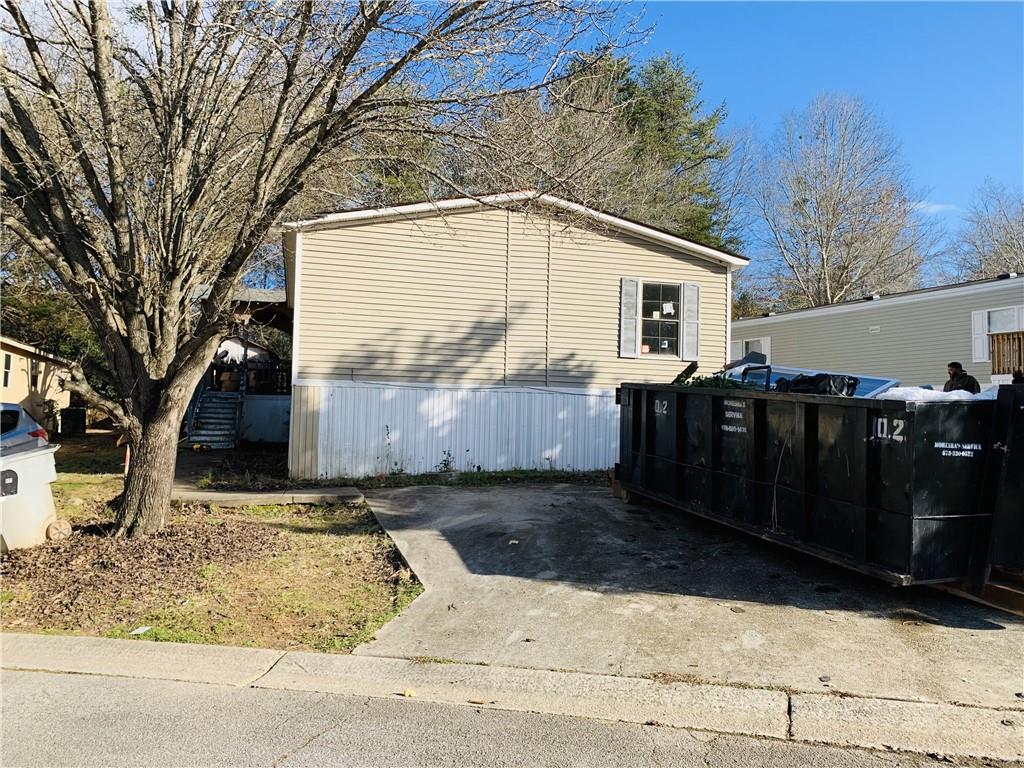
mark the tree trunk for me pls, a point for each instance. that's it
(147, 487)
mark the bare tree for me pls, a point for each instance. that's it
(150, 155)
(840, 216)
(992, 242)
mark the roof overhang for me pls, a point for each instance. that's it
(28, 349)
(888, 300)
(506, 199)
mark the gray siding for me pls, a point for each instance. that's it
(908, 339)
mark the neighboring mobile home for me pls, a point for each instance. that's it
(31, 379)
(468, 334)
(907, 336)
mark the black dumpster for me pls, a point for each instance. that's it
(886, 487)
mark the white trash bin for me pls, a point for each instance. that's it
(26, 503)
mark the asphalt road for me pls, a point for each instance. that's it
(86, 720)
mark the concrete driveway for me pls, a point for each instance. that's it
(569, 578)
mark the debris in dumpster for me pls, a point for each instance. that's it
(924, 395)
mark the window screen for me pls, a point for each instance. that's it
(659, 331)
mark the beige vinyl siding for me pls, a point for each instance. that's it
(527, 300)
(415, 300)
(913, 342)
(487, 297)
(586, 270)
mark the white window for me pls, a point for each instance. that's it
(742, 347)
(34, 374)
(7, 370)
(659, 318)
(986, 321)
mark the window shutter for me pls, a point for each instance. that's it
(691, 320)
(629, 318)
(766, 347)
(979, 336)
(735, 351)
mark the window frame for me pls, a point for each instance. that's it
(8, 363)
(35, 374)
(766, 347)
(678, 320)
(689, 321)
(1018, 310)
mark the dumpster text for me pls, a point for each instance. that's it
(958, 449)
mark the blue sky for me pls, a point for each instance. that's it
(946, 78)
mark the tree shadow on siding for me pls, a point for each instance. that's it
(475, 357)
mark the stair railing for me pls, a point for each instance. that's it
(194, 403)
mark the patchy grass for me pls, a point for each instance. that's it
(320, 578)
(90, 454)
(90, 474)
(83, 498)
(266, 469)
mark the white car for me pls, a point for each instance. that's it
(19, 431)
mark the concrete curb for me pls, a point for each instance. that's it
(134, 658)
(753, 712)
(868, 723)
(913, 726)
(346, 494)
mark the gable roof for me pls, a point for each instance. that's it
(440, 207)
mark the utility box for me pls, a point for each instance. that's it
(887, 487)
(27, 514)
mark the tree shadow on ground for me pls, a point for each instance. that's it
(94, 453)
(586, 537)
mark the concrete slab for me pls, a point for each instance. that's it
(135, 658)
(683, 705)
(330, 495)
(568, 578)
(911, 726)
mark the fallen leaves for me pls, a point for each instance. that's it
(64, 584)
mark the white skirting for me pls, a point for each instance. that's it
(363, 429)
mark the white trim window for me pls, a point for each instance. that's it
(740, 348)
(659, 318)
(997, 320)
(7, 369)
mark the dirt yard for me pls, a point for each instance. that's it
(299, 577)
(317, 578)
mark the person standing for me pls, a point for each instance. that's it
(959, 379)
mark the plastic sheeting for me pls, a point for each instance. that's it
(920, 394)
